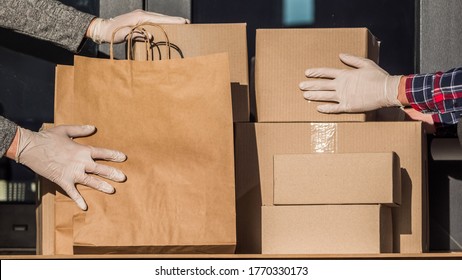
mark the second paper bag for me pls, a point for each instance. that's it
(173, 120)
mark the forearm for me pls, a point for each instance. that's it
(439, 94)
(48, 20)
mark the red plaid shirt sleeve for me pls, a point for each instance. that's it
(438, 93)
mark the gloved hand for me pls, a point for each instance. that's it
(54, 155)
(100, 30)
(366, 88)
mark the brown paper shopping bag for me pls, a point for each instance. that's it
(190, 40)
(173, 119)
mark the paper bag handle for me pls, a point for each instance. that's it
(130, 34)
(146, 36)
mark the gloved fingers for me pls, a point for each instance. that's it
(321, 95)
(107, 154)
(121, 35)
(163, 15)
(95, 183)
(75, 130)
(320, 84)
(74, 194)
(101, 31)
(355, 61)
(329, 108)
(164, 20)
(140, 16)
(141, 35)
(107, 172)
(160, 18)
(331, 73)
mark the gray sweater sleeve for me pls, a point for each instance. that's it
(48, 20)
(7, 133)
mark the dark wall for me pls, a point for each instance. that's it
(392, 21)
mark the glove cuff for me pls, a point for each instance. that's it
(95, 30)
(391, 91)
(23, 141)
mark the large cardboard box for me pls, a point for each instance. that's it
(327, 229)
(283, 55)
(257, 143)
(203, 39)
(352, 178)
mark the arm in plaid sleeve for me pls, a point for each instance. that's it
(439, 94)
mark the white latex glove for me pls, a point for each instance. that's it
(54, 155)
(366, 88)
(100, 30)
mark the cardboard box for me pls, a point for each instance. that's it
(283, 55)
(257, 143)
(327, 229)
(204, 39)
(352, 178)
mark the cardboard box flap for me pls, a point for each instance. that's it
(350, 178)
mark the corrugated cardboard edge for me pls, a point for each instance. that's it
(45, 216)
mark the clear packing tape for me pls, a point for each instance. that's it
(323, 138)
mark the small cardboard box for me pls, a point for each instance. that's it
(283, 55)
(327, 229)
(351, 178)
(203, 39)
(257, 143)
